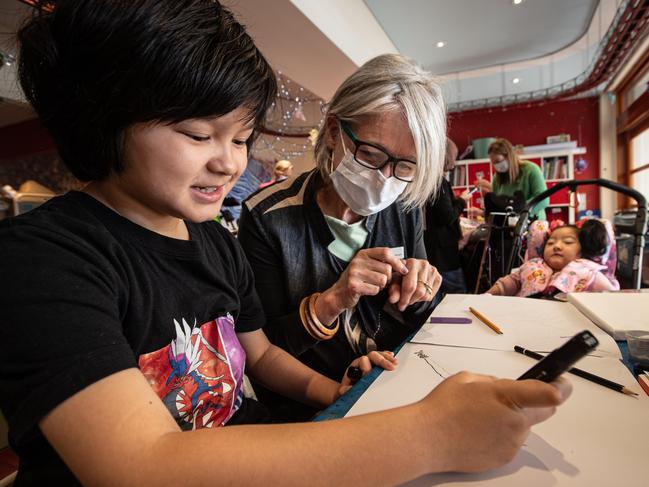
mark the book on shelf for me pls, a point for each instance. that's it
(555, 168)
(560, 169)
(458, 176)
(547, 167)
(563, 174)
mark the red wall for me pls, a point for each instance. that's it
(27, 152)
(529, 125)
(24, 138)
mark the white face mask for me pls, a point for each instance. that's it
(502, 166)
(366, 191)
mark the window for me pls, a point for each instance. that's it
(639, 163)
(633, 131)
(634, 91)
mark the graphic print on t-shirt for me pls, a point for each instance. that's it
(199, 375)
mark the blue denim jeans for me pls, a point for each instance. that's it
(453, 282)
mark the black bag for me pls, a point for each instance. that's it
(503, 203)
(501, 240)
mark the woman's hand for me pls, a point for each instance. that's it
(473, 212)
(421, 283)
(366, 275)
(483, 184)
(385, 360)
(466, 195)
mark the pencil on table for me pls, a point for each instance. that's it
(643, 380)
(583, 374)
(485, 320)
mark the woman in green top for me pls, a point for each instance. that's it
(512, 175)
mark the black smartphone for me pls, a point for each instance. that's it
(561, 359)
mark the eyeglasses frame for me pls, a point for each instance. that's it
(391, 159)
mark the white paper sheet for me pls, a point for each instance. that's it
(599, 437)
(535, 324)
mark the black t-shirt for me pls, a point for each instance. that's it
(86, 293)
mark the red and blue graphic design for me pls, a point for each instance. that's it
(199, 375)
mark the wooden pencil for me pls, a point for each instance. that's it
(485, 320)
(582, 373)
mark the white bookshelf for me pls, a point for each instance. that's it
(557, 166)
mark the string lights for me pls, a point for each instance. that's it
(6, 59)
(291, 125)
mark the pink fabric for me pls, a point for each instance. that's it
(538, 233)
(536, 237)
(535, 276)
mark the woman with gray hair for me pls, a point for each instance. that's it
(338, 252)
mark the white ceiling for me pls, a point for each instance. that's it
(318, 43)
(481, 33)
(543, 43)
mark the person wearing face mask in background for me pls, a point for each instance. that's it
(513, 174)
(338, 252)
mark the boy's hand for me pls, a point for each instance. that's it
(363, 365)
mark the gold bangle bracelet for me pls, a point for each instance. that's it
(316, 326)
(308, 326)
(327, 330)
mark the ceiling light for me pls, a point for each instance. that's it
(516, 81)
(441, 44)
(517, 2)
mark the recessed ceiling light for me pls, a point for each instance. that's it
(517, 2)
(441, 44)
(516, 81)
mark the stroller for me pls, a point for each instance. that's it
(637, 229)
(486, 254)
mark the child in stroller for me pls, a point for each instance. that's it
(574, 259)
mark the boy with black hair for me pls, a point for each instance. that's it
(130, 314)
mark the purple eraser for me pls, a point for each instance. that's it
(449, 320)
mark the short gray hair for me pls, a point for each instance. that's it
(394, 82)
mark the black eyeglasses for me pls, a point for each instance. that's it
(373, 157)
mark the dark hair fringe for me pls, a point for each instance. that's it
(592, 236)
(593, 239)
(91, 68)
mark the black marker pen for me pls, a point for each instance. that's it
(354, 374)
(561, 359)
